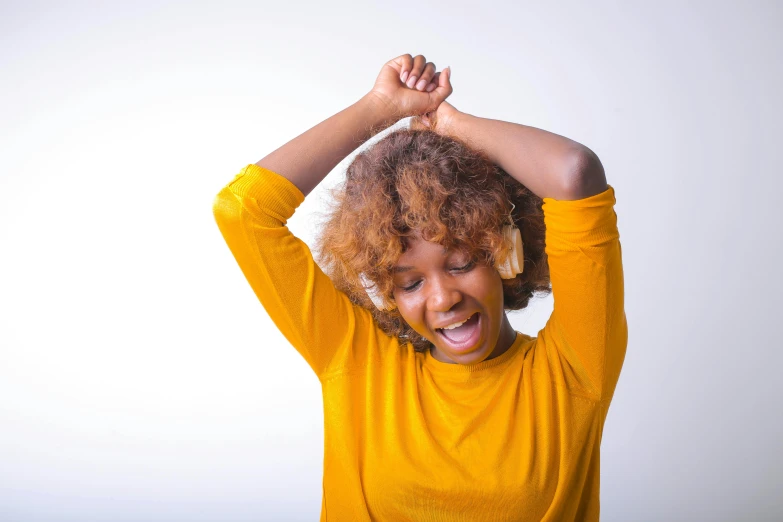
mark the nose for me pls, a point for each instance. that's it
(442, 294)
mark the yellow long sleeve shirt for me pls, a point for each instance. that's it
(411, 438)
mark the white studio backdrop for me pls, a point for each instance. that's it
(141, 380)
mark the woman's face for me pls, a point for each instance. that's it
(434, 288)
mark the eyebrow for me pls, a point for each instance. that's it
(398, 269)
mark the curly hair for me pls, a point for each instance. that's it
(418, 182)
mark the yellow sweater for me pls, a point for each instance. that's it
(410, 438)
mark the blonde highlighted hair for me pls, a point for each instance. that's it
(417, 182)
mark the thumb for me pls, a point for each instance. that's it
(444, 88)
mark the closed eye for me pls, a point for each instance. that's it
(412, 287)
(464, 268)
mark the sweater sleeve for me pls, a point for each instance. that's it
(316, 318)
(586, 336)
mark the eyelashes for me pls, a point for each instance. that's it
(464, 268)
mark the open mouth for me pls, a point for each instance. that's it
(464, 336)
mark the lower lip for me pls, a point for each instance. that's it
(468, 343)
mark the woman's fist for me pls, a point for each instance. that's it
(411, 87)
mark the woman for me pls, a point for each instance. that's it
(434, 407)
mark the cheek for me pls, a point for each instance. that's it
(412, 311)
(487, 284)
(489, 290)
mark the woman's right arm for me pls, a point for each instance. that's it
(309, 157)
(252, 210)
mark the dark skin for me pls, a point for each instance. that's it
(548, 164)
(526, 153)
(440, 287)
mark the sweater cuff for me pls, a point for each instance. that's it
(270, 190)
(588, 221)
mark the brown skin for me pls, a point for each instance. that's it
(441, 288)
(548, 164)
(308, 158)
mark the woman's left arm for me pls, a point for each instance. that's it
(586, 336)
(550, 165)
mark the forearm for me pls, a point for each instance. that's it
(308, 158)
(548, 164)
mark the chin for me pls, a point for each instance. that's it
(472, 357)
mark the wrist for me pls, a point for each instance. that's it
(456, 125)
(380, 110)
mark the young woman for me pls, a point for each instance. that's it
(435, 408)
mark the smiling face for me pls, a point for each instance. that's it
(434, 288)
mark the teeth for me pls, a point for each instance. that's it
(452, 326)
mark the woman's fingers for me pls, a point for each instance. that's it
(418, 68)
(416, 74)
(426, 77)
(406, 64)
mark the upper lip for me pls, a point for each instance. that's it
(454, 320)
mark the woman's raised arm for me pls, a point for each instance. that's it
(550, 165)
(309, 157)
(252, 210)
(586, 336)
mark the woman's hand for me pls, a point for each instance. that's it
(410, 86)
(442, 120)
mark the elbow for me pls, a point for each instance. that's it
(218, 206)
(225, 208)
(585, 174)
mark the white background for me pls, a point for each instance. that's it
(141, 380)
